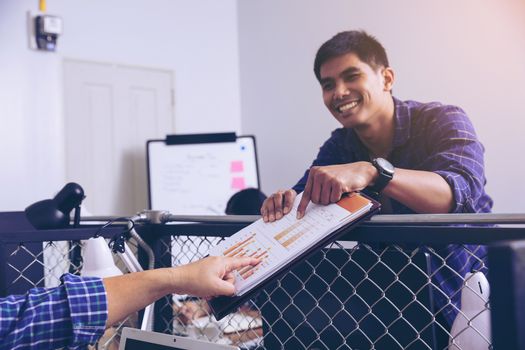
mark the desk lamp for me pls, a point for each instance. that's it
(97, 259)
(55, 213)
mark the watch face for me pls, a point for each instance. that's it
(385, 165)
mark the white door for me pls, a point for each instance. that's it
(110, 112)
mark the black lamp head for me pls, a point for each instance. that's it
(56, 212)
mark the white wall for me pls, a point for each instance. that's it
(470, 53)
(196, 39)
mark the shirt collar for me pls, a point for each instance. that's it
(354, 145)
(401, 132)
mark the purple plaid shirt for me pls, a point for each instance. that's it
(429, 137)
(71, 315)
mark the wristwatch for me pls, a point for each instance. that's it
(386, 173)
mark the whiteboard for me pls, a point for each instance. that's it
(197, 174)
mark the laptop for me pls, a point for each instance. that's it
(136, 339)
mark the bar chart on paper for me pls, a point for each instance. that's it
(248, 245)
(298, 233)
(278, 242)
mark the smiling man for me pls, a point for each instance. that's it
(415, 157)
(420, 157)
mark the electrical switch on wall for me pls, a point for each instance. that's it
(44, 29)
(47, 30)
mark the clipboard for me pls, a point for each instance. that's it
(196, 174)
(223, 305)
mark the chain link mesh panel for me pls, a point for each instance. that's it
(42, 264)
(366, 296)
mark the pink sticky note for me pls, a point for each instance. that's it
(238, 183)
(237, 166)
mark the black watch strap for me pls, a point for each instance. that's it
(386, 173)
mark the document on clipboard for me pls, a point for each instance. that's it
(284, 242)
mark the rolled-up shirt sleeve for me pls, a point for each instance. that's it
(88, 308)
(458, 157)
(71, 315)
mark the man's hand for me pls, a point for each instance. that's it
(326, 184)
(210, 276)
(204, 278)
(277, 205)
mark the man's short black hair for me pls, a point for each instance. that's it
(359, 42)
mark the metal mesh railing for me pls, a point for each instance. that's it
(42, 264)
(187, 316)
(348, 295)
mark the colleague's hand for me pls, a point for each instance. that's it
(204, 278)
(326, 184)
(277, 205)
(210, 276)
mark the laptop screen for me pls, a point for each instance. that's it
(136, 339)
(134, 344)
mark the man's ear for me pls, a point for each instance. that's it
(388, 78)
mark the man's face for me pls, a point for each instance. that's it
(353, 91)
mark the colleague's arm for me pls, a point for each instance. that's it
(208, 277)
(77, 312)
(421, 191)
(71, 315)
(324, 185)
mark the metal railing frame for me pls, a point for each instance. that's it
(497, 230)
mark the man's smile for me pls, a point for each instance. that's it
(347, 106)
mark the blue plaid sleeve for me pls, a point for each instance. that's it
(458, 158)
(71, 315)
